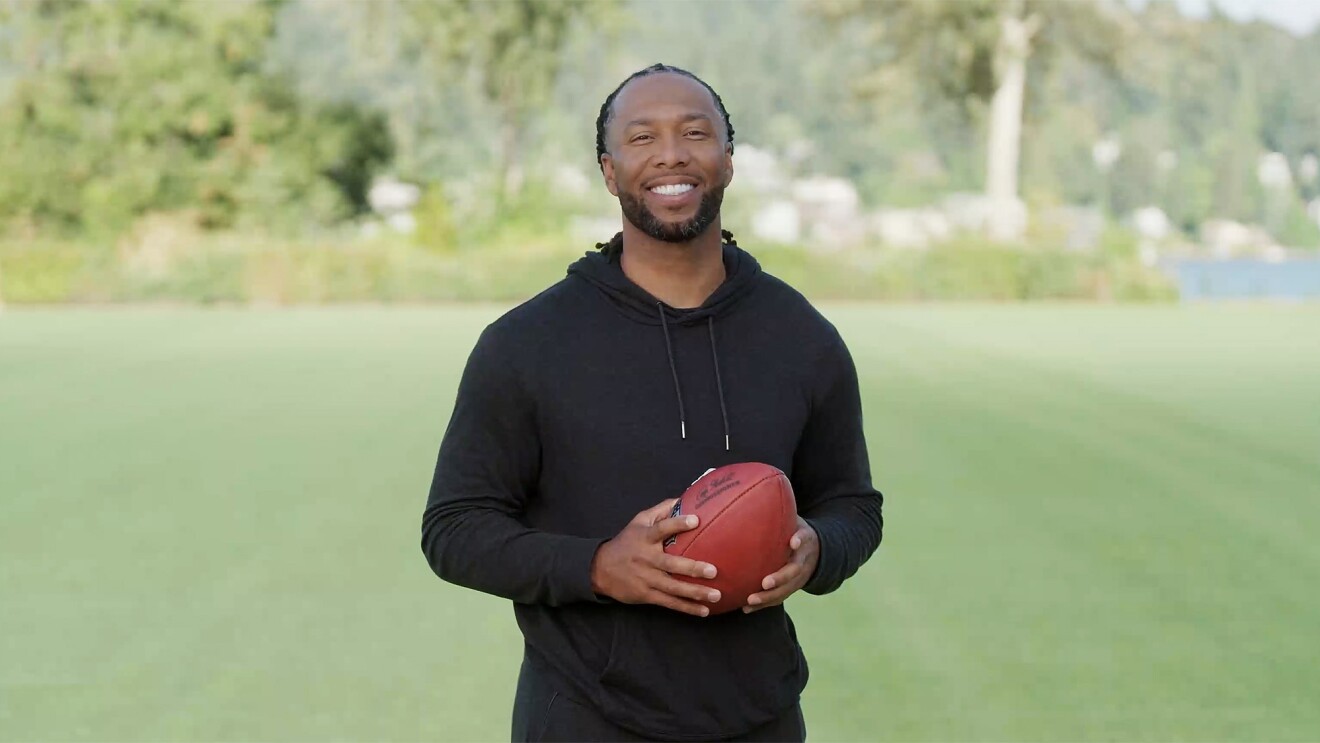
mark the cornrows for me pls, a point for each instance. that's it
(607, 108)
(615, 244)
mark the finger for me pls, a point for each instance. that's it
(675, 565)
(660, 598)
(655, 513)
(766, 599)
(782, 576)
(800, 538)
(666, 528)
(683, 589)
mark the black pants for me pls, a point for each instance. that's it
(542, 711)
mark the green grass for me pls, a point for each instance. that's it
(1100, 526)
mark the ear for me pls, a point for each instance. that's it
(728, 165)
(607, 170)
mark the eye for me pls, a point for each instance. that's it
(640, 138)
(696, 133)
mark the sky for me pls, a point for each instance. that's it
(1301, 17)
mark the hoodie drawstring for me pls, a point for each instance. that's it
(673, 369)
(719, 385)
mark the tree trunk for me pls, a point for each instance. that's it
(1007, 217)
(510, 162)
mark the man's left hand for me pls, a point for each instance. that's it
(793, 576)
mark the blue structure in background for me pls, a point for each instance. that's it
(1248, 278)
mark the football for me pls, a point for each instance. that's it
(746, 515)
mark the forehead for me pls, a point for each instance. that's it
(663, 95)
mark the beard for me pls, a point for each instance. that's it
(636, 212)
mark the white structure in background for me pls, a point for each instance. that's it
(592, 230)
(967, 211)
(387, 196)
(1273, 171)
(1152, 226)
(910, 228)
(1308, 168)
(828, 206)
(1151, 223)
(1106, 152)
(778, 221)
(1313, 210)
(973, 212)
(1081, 226)
(1225, 238)
(393, 200)
(759, 170)
(571, 180)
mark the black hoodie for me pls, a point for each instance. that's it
(594, 401)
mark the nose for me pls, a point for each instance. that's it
(673, 152)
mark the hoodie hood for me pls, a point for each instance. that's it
(604, 271)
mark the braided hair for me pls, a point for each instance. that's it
(614, 247)
(607, 108)
(615, 244)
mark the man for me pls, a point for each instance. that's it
(585, 411)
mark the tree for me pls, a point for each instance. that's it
(118, 109)
(513, 49)
(978, 51)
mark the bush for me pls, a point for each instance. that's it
(166, 260)
(40, 274)
(435, 222)
(1299, 230)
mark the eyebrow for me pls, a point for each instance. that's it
(685, 118)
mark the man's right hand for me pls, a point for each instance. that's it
(634, 568)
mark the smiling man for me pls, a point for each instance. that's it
(585, 411)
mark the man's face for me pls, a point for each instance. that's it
(667, 160)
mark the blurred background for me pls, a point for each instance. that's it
(246, 246)
(311, 151)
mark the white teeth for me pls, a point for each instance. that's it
(673, 190)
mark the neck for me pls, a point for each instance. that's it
(682, 275)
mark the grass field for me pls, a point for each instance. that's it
(1101, 524)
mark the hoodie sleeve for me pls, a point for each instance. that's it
(485, 473)
(832, 474)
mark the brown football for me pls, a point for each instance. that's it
(746, 515)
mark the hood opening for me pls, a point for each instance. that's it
(602, 269)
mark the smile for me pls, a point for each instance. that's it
(676, 189)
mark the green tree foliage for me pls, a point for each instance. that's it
(512, 49)
(114, 110)
(256, 112)
(956, 50)
(795, 86)
(1194, 102)
(1211, 97)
